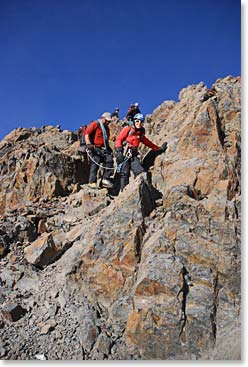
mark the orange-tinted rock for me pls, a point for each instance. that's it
(159, 264)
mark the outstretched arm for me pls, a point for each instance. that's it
(149, 144)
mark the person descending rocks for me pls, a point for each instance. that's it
(126, 149)
(115, 114)
(97, 145)
(132, 111)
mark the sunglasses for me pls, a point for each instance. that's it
(136, 120)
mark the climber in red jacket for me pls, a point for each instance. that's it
(126, 147)
(97, 143)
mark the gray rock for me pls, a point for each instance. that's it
(13, 311)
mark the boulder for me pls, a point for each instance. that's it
(13, 311)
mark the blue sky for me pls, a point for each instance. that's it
(67, 61)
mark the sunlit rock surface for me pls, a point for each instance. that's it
(151, 273)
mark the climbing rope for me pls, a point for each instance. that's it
(100, 165)
(116, 169)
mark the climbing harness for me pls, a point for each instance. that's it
(128, 155)
(98, 164)
(119, 167)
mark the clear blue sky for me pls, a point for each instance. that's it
(67, 61)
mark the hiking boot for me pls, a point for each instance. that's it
(93, 185)
(107, 183)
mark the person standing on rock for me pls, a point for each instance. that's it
(126, 148)
(132, 111)
(97, 145)
(115, 114)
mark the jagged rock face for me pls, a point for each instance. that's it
(153, 273)
(38, 163)
(200, 182)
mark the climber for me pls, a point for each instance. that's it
(115, 113)
(97, 145)
(126, 149)
(132, 111)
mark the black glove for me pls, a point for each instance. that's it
(119, 156)
(90, 146)
(162, 149)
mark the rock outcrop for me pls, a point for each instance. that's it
(153, 273)
(38, 163)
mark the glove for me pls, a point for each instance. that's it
(162, 149)
(119, 156)
(90, 146)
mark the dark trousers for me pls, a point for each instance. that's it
(133, 164)
(104, 157)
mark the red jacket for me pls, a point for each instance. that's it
(95, 133)
(133, 139)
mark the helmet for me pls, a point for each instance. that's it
(139, 116)
(136, 104)
(107, 116)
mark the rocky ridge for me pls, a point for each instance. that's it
(153, 273)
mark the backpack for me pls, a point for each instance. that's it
(81, 133)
